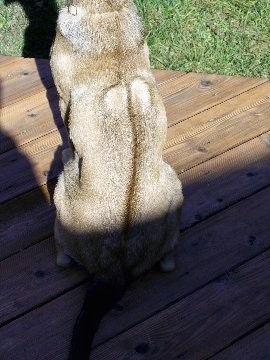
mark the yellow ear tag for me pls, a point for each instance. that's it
(72, 10)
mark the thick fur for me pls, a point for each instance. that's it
(118, 203)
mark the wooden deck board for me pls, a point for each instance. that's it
(36, 279)
(195, 93)
(218, 133)
(198, 326)
(4, 60)
(25, 220)
(224, 180)
(219, 143)
(197, 266)
(29, 119)
(225, 111)
(21, 79)
(253, 346)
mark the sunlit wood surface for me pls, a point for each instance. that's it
(217, 303)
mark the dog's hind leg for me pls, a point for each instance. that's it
(167, 263)
(62, 259)
(67, 154)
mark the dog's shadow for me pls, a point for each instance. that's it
(40, 32)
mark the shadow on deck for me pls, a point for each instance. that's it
(216, 304)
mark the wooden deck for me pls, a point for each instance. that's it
(217, 303)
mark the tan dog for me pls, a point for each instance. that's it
(118, 203)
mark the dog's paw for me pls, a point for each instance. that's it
(66, 155)
(167, 264)
(64, 260)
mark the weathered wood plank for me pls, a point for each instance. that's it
(26, 220)
(35, 280)
(200, 325)
(219, 129)
(19, 341)
(226, 110)
(194, 93)
(29, 119)
(254, 346)
(23, 78)
(31, 165)
(165, 76)
(4, 60)
(220, 237)
(226, 179)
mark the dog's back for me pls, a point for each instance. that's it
(117, 202)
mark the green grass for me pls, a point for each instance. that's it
(27, 27)
(227, 37)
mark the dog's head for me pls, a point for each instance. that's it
(101, 26)
(99, 6)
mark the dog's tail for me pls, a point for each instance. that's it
(101, 296)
